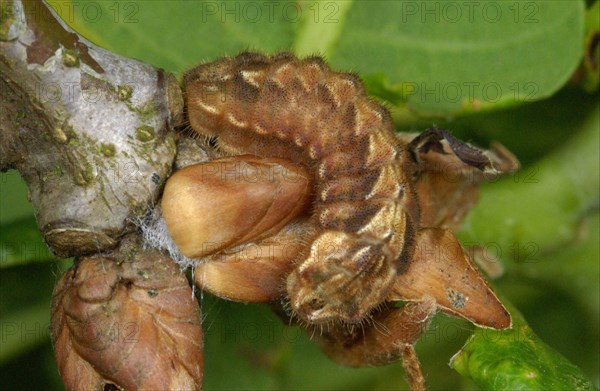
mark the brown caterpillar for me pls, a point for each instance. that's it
(364, 211)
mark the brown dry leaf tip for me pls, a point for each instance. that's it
(128, 320)
(447, 187)
(441, 269)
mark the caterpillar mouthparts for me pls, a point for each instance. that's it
(363, 208)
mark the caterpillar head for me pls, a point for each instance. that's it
(343, 279)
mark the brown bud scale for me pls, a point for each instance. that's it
(363, 208)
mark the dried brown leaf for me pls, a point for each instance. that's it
(450, 174)
(128, 319)
(440, 268)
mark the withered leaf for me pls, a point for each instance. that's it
(450, 172)
(441, 269)
(131, 323)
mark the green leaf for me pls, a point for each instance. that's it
(573, 267)
(321, 26)
(177, 36)
(540, 206)
(24, 330)
(22, 243)
(13, 197)
(559, 287)
(266, 354)
(443, 58)
(516, 359)
(543, 224)
(455, 59)
(530, 131)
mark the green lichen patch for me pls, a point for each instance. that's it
(124, 92)
(79, 179)
(6, 18)
(144, 274)
(457, 299)
(144, 133)
(108, 150)
(60, 135)
(19, 118)
(145, 112)
(93, 87)
(85, 176)
(58, 171)
(70, 57)
(63, 133)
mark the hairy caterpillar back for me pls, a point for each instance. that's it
(364, 211)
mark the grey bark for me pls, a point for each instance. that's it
(91, 132)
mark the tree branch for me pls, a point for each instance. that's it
(90, 131)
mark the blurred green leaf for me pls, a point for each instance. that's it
(543, 224)
(453, 59)
(532, 130)
(22, 243)
(33, 371)
(540, 210)
(559, 292)
(516, 359)
(268, 355)
(541, 205)
(439, 59)
(574, 267)
(13, 197)
(177, 35)
(25, 295)
(24, 330)
(321, 26)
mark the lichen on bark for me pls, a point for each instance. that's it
(71, 119)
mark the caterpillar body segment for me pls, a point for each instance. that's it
(363, 209)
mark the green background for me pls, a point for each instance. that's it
(497, 71)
